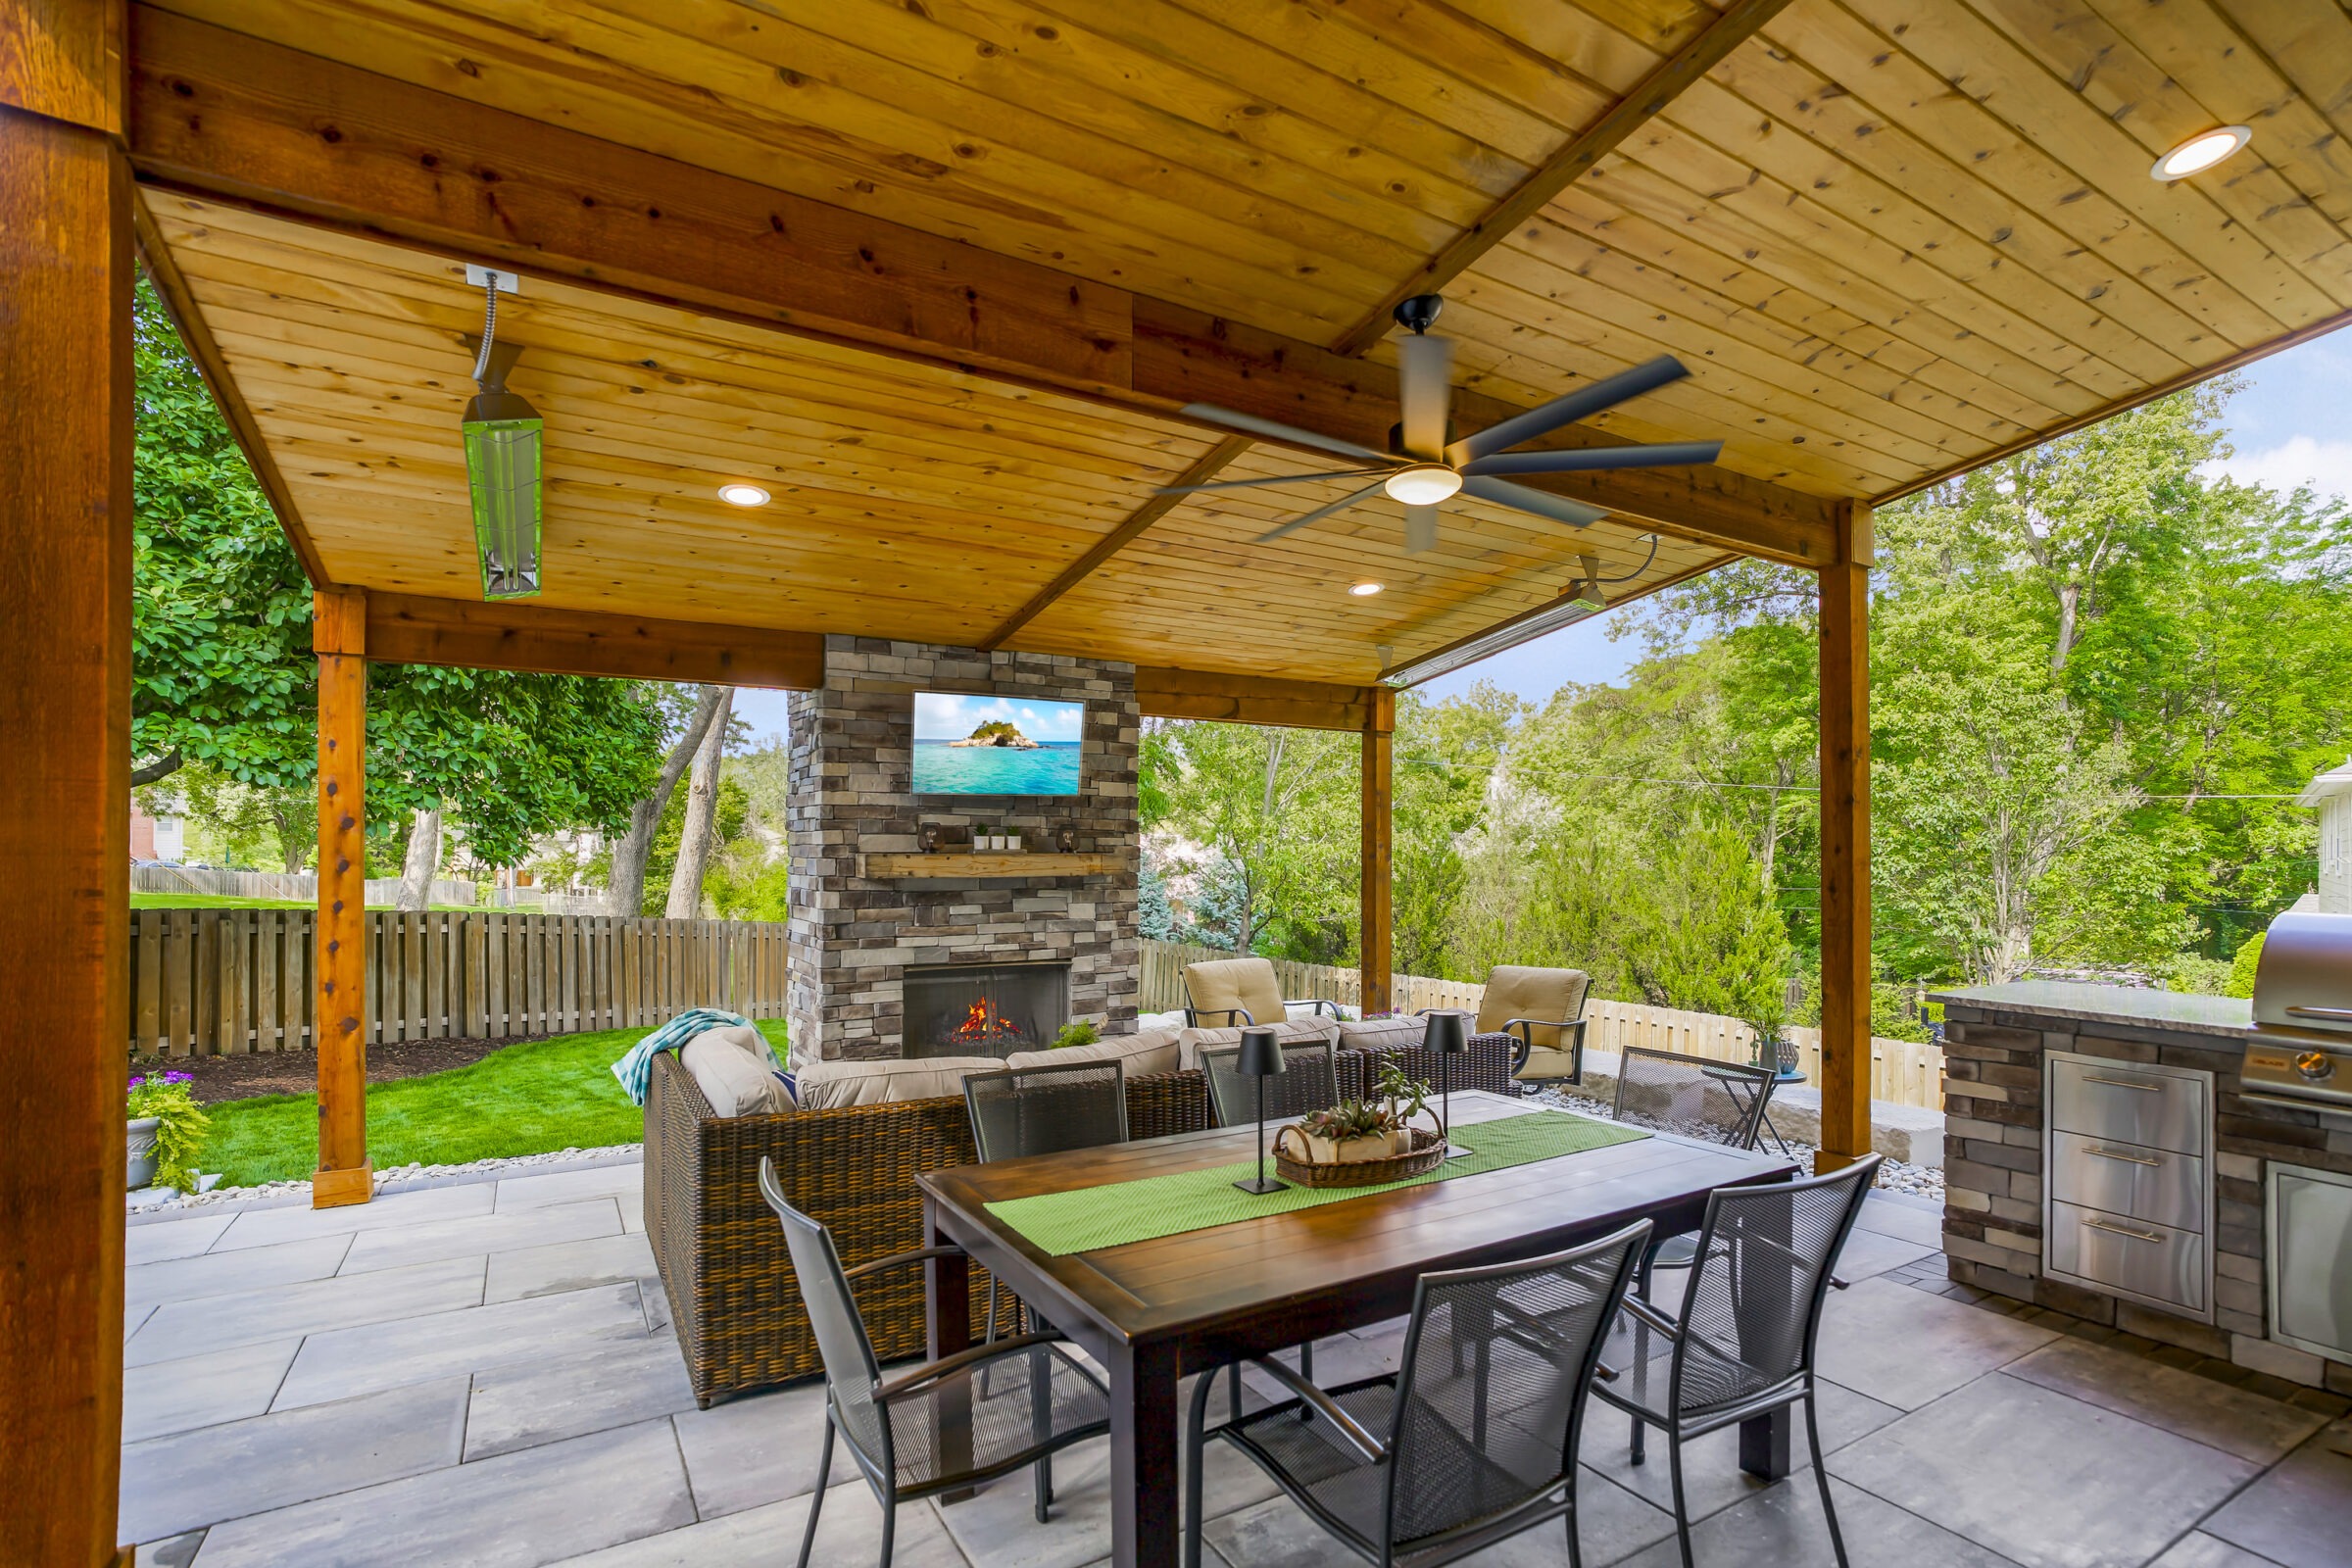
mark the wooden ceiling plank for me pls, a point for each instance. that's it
(1111, 543)
(1735, 26)
(2310, 45)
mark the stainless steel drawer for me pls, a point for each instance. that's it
(2129, 1257)
(2154, 1107)
(2128, 1179)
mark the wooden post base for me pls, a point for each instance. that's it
(333, 1188)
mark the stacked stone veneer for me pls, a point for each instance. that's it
(1992, 1171)
(853, 939)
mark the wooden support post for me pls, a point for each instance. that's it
(1380, 724)
(339, 636)
(1846, 846)
(65, 719)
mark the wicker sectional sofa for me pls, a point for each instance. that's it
(732, 1302)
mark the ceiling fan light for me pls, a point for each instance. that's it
(743, 495)
(1424, 484)
(2200, 152)
(1363, 590)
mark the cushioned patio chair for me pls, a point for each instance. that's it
(1236, 991)
(939, 1427)
(1543, 1012)
(1743, 1344)
(1471, 1440)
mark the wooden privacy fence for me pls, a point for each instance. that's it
(1903, 1071)
(212, 982)
(212, 883)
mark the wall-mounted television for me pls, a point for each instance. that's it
(972, 745)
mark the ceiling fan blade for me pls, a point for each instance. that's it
(1425, 390)
(1559, 509)
(1581, 404)
(1656, 454)
(1317, 516)
(1420, 529)
(1244, 484)
(1274, 430)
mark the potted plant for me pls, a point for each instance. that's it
(1352, 1131)
(1773, 1048)
(1395, 1085)
(164, 1129)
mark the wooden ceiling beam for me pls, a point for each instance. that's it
(1271, 700)
(539, 639)
(236, 118)
(1733, 26)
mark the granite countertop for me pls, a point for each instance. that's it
(2081, 1002)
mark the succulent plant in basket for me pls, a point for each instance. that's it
(1397, 1086)
(1352, 1130)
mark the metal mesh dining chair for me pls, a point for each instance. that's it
(938, 1428)
(1695, 1096)
(1743, 1344)
(1471, 1440)
(1310, 1080)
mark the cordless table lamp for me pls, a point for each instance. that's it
(1261, 1057)
(1448, 1034)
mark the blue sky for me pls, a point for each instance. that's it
(946, 716)
(2291, 425)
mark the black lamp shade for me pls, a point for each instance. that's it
(1447, 1030)
(1260, 1055)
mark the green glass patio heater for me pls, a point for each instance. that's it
(503, 461)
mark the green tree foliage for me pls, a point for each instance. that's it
(1267, 820)
(222, 672)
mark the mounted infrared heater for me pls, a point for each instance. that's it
(503, 457)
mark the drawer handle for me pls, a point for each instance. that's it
(2123, 1083)
(2117, 1153)
(2340, 1015)
(2123, 1230)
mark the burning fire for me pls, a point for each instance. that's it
(983, 1023)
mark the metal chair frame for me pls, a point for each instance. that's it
(1797, 1387)
(1679, 1250)
(1384, 1449)
(880, 1471)
(1523, 1044)
(1317, 1059)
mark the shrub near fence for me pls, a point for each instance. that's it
(210, 982)
(1902, 1071)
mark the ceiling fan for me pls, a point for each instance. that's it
(1429, 465)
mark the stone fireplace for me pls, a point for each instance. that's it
(886, 958)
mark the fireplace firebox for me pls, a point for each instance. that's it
(990, 1009)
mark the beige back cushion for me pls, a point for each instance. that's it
(734, 1081)
(1303, 1029)
(831, 1084)
(1224, 983)
(1143, 1054)
(749, 1041)
(1516, 992)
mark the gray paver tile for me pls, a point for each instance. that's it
(1869, 1252)
(998, 1528)
(473, 1234)
(1904, 1347)
(602, 1385)
(2197, 1549)
(161, 1239)
(754, 1451)
(188, 1279)
(571, 1265)
(195, 1478)
(309, 1306)
(849, 1532)
(1783, 1526)
(560, 1500)
(2300, 1514)
(267, 1227)
(2041, 1477)
(134, 1317)
(1712, 1479)
(205, 1390)
(625, 1182)
(475, 1339)
(1277, 1533)
(2212, 1413)
(1899, 1220)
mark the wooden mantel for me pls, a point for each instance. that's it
(951, 867)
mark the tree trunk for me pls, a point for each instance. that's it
(423, 860)
(2070, 599)
(701, 815)
(626, 884)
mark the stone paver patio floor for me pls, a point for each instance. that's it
(486, 1374)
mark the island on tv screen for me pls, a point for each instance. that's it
(996, 745)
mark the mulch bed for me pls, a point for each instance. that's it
(296, 1072)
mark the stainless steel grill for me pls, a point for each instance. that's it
(2301, 1052)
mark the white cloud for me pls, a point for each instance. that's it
(2324, 465)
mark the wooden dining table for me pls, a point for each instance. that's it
(1151, 1312)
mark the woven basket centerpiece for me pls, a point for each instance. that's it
(1315, 1161)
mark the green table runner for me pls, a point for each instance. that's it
(1112, 1216)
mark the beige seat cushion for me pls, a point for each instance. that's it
(736, 1082)
(1143, 1054)
(831, 1084)
(1382, 1033)
(1224, 983)
(1516, 992)
(749, 1040)
(1189, 1046)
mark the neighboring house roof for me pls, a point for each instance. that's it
(2328, 786)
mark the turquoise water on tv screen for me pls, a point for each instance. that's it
(944, 769)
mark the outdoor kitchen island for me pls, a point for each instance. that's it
(2102, 1158)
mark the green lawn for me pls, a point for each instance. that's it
(207, 901)
(532, 1099)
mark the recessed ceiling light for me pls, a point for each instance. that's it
(1363, 590)
(743, 495)
(1424, 484)
(2200, 152)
